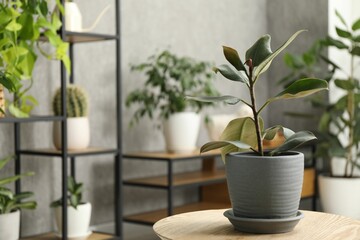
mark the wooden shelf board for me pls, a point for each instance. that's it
(154, 216)
(53, 151)
(170, 156)
(52, 236)
(181, 178)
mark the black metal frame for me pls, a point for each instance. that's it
(64, 153)
(170, 187)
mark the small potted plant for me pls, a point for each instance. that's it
(79, 213)
(339, 124)
(169, 79)
(23, 26)
(11, 204)
(78, 129)
(264, 184)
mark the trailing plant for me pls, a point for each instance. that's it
(248, 133)
(23, 23)
(341, 118)
(9, 201)
(76, 102)
(169, 79)
(75, 194)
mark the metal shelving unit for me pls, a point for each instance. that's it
(64, 154)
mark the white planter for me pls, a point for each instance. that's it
(73, 18)
(181, 131)
(78, 220)
(10, 225)
(78, 134)
(340, 195)
(216, 125)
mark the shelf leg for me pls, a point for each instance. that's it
(17, 156)
(170, 189)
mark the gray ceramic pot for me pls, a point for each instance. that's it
(265, 187)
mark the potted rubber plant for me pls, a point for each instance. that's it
(11, 204)
(264, 184)
(339, 124)
(169, 79)
(79, 213)
(24, 25)
(78, 128)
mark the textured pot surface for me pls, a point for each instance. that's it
(264, 186)
(340, 195)
(10, 225)
(78, 220)
(78, 134)
(181, 131)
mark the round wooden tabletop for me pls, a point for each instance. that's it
(212, 225)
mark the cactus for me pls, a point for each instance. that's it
(76, 102)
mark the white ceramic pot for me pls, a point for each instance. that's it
(78, 134)
(73, 18)
(340, 195)
(217, 123)
(78, 220)
(10, 225)
(181, 131)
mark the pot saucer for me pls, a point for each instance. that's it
(263, 225)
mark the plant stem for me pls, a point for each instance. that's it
(256, 115)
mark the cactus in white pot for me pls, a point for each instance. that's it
(78, 129)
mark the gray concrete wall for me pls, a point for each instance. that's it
(284, 19)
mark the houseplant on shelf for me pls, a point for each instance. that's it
(169, 79)
(79, 213)
(263, 184)
(11, 204)
(22, 25)
(78, 129)
(339, 126)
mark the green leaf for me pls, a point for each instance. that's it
(329, 41)
(302, 88)
(342, 20)
(17, 112)
(356, 51)
(74, 201)
(270, 133)
(343, 33)
(25, 205)
(344, 84)
(240, 129)
(356, 25)
(219, 144)
(13, 26)
(230, 74)
(265, 64)
(233, 57)
(227, 99)
(23, 195)
(294, 141)
(14, 178)
(27, 31)
(5, 192)
(71, 184)
(259, 51)
(4, 161)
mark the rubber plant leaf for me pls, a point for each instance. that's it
(231, 74)
(265, 64)
(294, 141)
(233, 57)
(227, 99)
(240, 129)
(301, 88)
(260, 50)
(219, 144)
(270, 133)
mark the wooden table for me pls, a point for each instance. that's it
(212, 225)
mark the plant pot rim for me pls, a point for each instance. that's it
(248, 154)
(12, 212)
(80, 204)
(327, 175)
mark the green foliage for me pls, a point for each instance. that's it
(75, 194)
(9, 201)
(248, 133)
(23, 24)
(76, 102)
(340, 118)
(169, 79)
